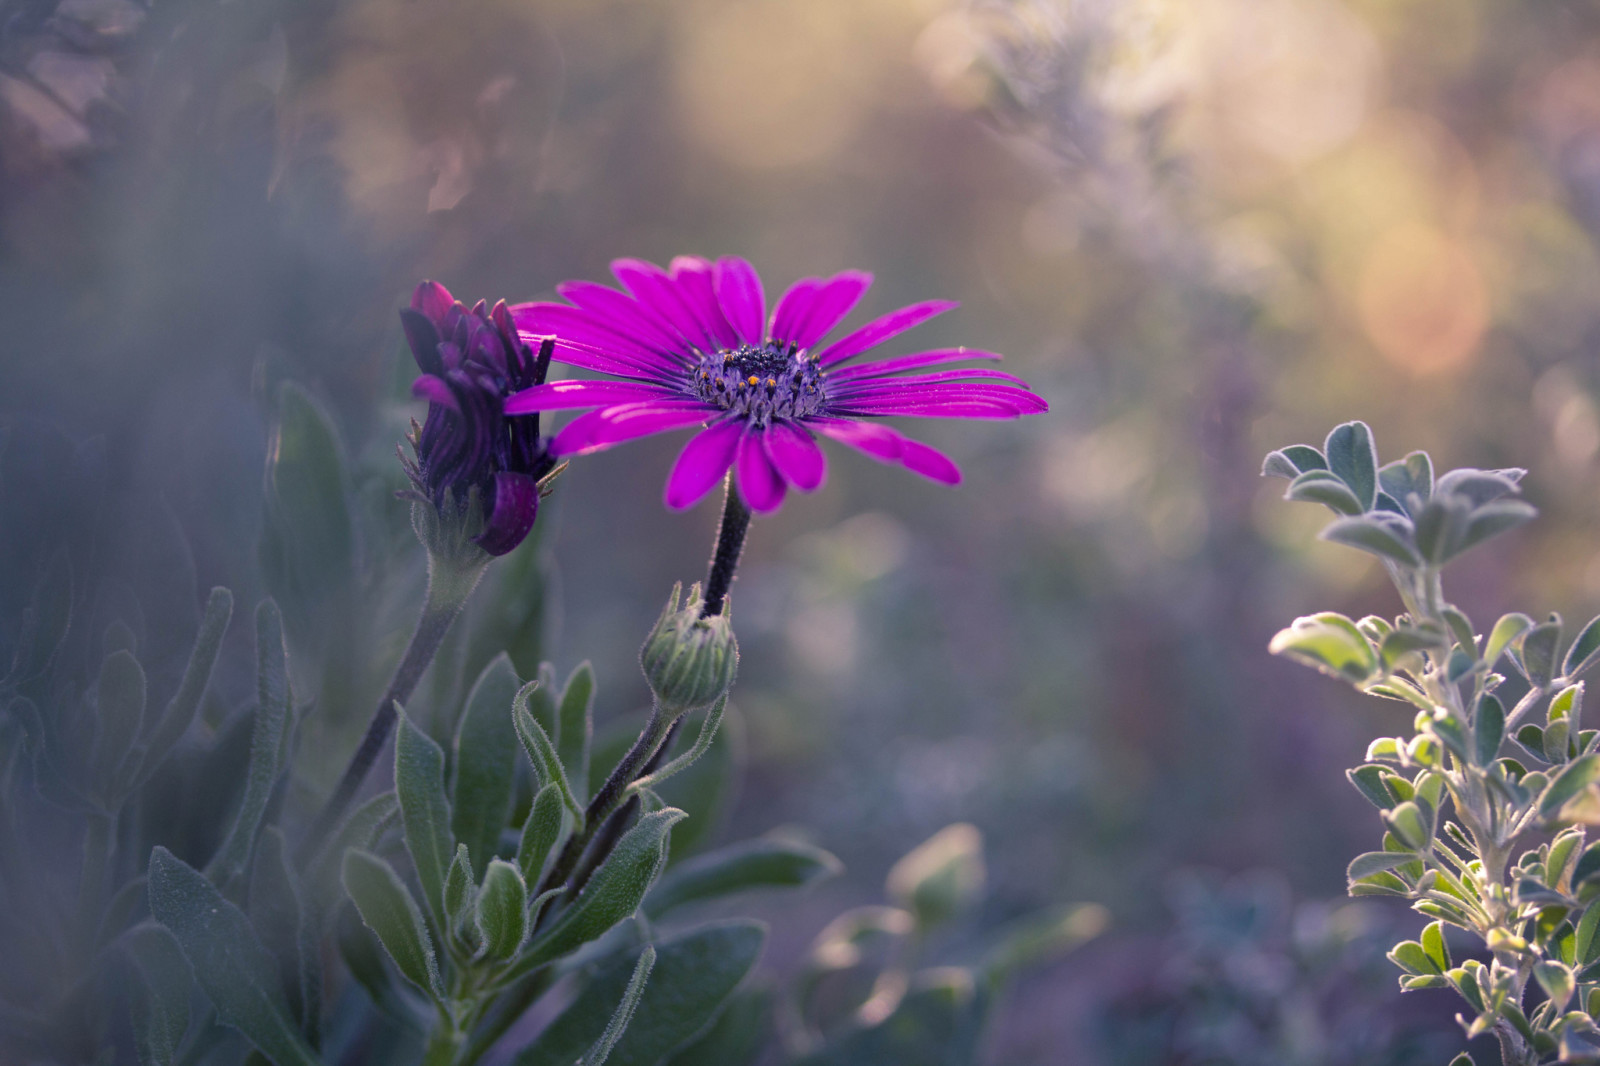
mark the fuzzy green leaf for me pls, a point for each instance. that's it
(424, 810)
(389, 911)
(485, 760)
(766, 863)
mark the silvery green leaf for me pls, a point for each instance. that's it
(1573, 779)
(765, 863)
(601, 1049)
(1369, 863)
(1277, 464)
(1488, 729)
(1491, 519)
(695, 973)
(1407, 823)
(1328, 642)
(424, 810)
(367, 961)
(1402, 642)
(1409, 956)
(485, 760)
(1351, 456)
(1406, 477)
(613, 893)
(1324, 487)
(576, 734)
(120, 712)
(1585, 945)
(1556, 980)
(502, 911)
(1585, 649)
(361, 829)
(267, 741)
(1388, 537)
(940, 1022)
(1043, 936)
(237, 974)
(389, 911)
(1535, 653)
(175, 719)
(1461, 629)
(737, 1036)
(940, 877)
(541, 751)
(546, 821)
(308, 538)
(1477, 487)
(1440, 525)
(1293, 461)
(275, 912)
(1434, 944)
(160, 1006)
(1505, 631)
(1369, 781)
(458, 888)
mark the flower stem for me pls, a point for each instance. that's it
(449, 585)
(610, 793)
(730, 542)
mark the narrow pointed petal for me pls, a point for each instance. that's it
(793, 307)
(702, 464)
(898, 364)
(888, 446)
(695, 279)
(608, 426)
(760, 483)
(836, 298)
(924, 459)
(432, 300)
(587, 330)
(423, 338)
(879, 330)
(435, 390)
(795, 453)
(878, 441)
(655, 288)
(640, 321)
(565, 395)
(516, 505)
(739, 293)
(896, 391)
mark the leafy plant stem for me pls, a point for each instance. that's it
(450, 584)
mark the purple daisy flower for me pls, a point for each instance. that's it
(471, 361)
(694, 347)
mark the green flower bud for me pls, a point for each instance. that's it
(689, 660)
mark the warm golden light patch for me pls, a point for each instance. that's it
(1422, 299)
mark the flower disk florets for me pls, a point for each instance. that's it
(761, 383)
(689, 660)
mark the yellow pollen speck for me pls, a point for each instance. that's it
(772, 381)
(754, 380)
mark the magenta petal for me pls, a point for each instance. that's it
(951, 409)
(564, 395)
(516, 505)
(793, 307)
(908, 362)
(644, 324)
(656, 289)
(836, 298)
(928, 461)
(967, 373)
(614, 425)
(585, 329)
(435, 390)
(759, 481)
(869, 438)
(879, 330)
(695, 278)
(433, 300)
(702, 463)
(739, 293)
(795, 453)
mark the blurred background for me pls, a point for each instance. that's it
(1200, 228)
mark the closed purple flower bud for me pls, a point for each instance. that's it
(467, 452)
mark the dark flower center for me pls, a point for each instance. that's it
(761, 383)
